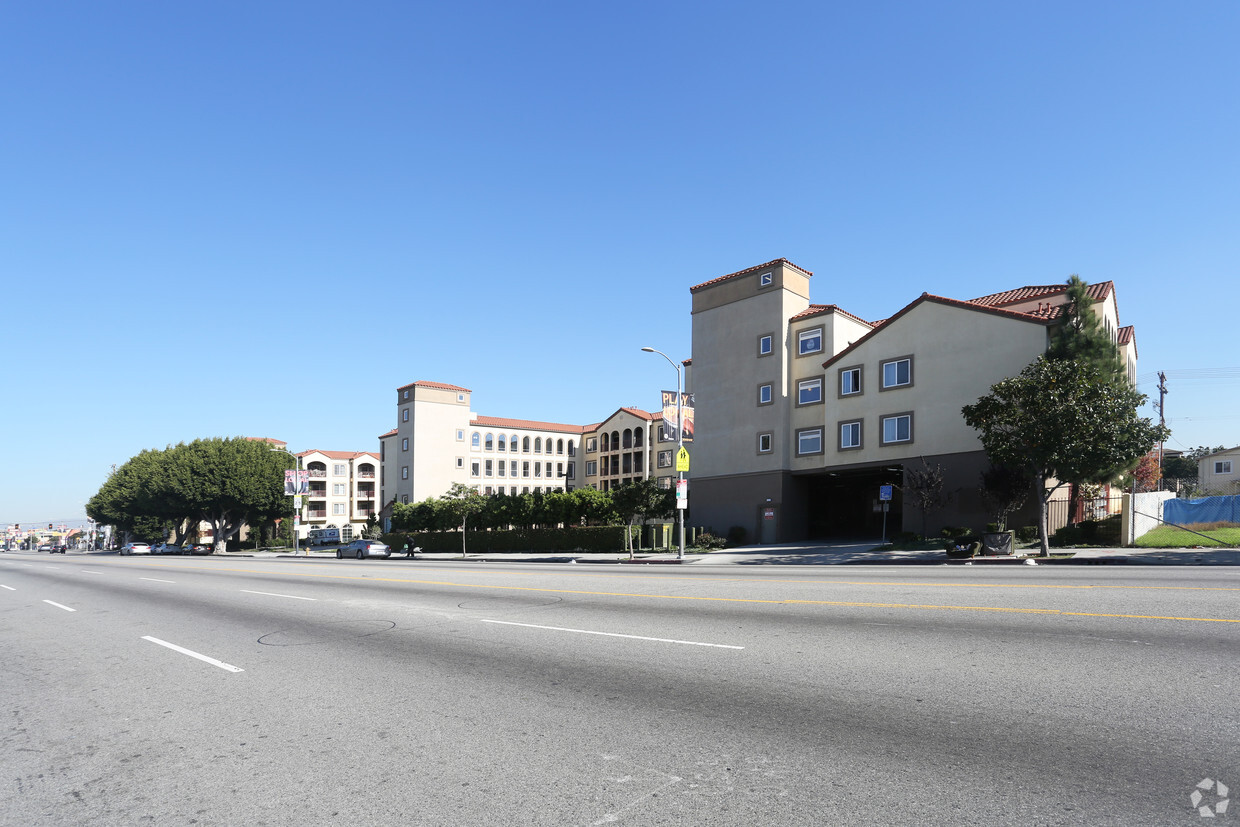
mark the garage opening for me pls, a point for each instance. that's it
(845, 505)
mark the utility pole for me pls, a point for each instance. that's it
(1162, 411)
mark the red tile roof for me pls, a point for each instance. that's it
(819, 309)
(1125, 335)
(437, 385)
(340, 454)
(528, 424)
(389, 433)
(1050, 309)
(266, 439)
(782, 261)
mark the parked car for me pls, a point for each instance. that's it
(166, 548)
(364, 548)
(135, 548)
(60, 549)
(45, 548)
(199, 549)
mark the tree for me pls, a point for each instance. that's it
(464, 502)
(1147, 474)
(1082, 336)
(923, 487)
(1064, 421)
(1004, 489)
(640, 499)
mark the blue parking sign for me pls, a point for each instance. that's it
(884, 493)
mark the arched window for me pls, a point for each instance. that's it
(490, 442)
(606, 440)
(628, 438)
(615, 440)
(638, 433)
(514, 447)
(503, 443)
(572, 448)
(538, 445)
(476, 439)
(559, 446)
(525, 445)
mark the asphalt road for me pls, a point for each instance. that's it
(292, 691)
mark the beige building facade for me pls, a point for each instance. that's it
(344, 491)
(805, 412)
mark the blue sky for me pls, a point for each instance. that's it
(260, 218)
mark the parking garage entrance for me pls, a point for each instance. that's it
(846, 505)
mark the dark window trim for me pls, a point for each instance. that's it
(770, 385)
(822, 397)
(839, 381)
(912, 434)
(821, 447)
(762, 336)
(770, 435)
(822, 342)
(881, 370)
(839, 435)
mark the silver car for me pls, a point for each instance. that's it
(136, 548)
(364, 548)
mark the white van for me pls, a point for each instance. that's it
(324, 536)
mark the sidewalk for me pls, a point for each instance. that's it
(837, 554)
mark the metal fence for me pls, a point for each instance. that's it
(1060, 513)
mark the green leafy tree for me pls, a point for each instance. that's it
(1065, 422)
(464, 503)
(640, 500)
(1082, 337)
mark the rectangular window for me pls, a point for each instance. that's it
(538, 469)
(460, 462)
(404, 415)
(898, 372)
(591, 444)
(338, 489)
(809, 441)
(490, 468)
(338, 508)
(502, 467)
(809, 391)
(766, 344)
(809, 341)
(765, 394)
(548, 469)
(665, 459)
(340, 470)
(850, 435)
(460, 434)
(475, 468)
(764, 443)
(404, 444)
(1222, 466)
(766, 279)
(850, 381)
(592, 468)
(525, 469)
(898, 428)
(404, 472)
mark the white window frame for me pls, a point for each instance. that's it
(894, 421)
(340, 469)
(766, 394)
(895, 363)
(340, 489)
(766, 443)
(766, 344)
(806, 385)
(1222, 466)
(766, 279)
(404, 472)
(854, 370)
(847, 430)
(806, 435)
(808, 335)
(339, 509)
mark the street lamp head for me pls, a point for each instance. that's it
(648, 349)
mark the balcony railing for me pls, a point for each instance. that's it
(314, 472)
(365, 475)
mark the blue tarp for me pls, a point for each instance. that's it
(1203, 510)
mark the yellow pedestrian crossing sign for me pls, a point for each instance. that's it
(682, 460)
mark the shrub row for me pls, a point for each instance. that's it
(604, 539)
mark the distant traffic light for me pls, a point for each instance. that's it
(49, 526)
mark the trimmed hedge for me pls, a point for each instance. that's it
(603, 539)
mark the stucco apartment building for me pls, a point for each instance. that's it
(439, 441)
(344, 491)
(804, 410)
(1218, 474)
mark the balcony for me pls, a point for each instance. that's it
(365, 475)
(316, 473)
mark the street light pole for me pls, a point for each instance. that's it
(296, 497)
(680, 446)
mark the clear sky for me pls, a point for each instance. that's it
(261, 218)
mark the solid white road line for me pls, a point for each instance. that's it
(614, 634)
(59, 606)
(10, 588)
(89, 571)
(273, 594)
(227, 666)
(156, 580)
